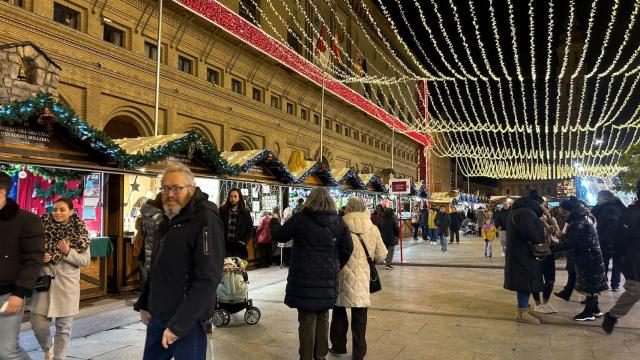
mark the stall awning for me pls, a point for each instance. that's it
(348, 176)
(262, 163)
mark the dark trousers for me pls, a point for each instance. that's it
(313, 333)
(415, 230)
(339, 326)
(192, 346)
(265, 252)
(615, 271)
(549, 276)
(454, 234)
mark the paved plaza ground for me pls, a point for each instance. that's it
(423, 312)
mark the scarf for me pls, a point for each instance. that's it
(75, 232)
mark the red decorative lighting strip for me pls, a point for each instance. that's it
(235, 25)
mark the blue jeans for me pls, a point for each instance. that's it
(415, 230)
(443, 240)
(10, 329)
(523, 299)
(192, 346)
(433, 234)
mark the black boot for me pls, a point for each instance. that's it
(587, 314)
(596, 310)
(608, 323)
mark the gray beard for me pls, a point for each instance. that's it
(171, 213)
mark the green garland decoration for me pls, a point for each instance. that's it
(59, 175)
(57, 189)
(17, 112)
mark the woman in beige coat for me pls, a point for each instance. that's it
(66, 251)
(354, 281)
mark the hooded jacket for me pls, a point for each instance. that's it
(607, 215)
(322, 245)
(186, 266)
(522, 271)
(152, 216)
(389, 230)
(21, 250)
(582, 238)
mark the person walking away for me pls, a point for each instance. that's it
(415, 220)
(607, 212)
(354, 281)
(455, 225)
(501, 220)
(390, 233)
(186, 268)
(377, 214)
(21, 254)
(522, 272)
(548, 267)
(238, 224)
(433, 227)
(150, 218)
(66, 250)
(442, 220)
(322, 245)
(263, 240)
(489, 232)
(582, 238)
(424, 223)
(627, 253)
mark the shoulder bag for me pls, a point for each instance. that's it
(374, 278)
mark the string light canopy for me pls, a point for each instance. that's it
(537, 89)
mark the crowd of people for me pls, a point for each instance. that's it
(589, 239)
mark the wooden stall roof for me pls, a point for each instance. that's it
(141, 145)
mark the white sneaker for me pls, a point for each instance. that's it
(550, 308)
(542, 309)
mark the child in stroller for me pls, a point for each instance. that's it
(232, 295)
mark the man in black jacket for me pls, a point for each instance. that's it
(455, 225)
(20, 262)
(186, 268)
(237, 222)
(501, 220)
(443, 220)
(607, 213)
(627, 254)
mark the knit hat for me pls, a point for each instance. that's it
(533, 194)
(570, 205)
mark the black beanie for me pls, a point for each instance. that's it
(570, 205)
(533, 194)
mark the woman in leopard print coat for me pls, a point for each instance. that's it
(66, 251)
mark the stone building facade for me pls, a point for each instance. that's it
(26, 70)
(211, 82)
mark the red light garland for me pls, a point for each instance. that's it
(234, 24)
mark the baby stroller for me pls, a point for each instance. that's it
(232, 295)
(470, 228)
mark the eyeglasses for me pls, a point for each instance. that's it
(174, 189)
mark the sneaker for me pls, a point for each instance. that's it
(585, 316)
(388, 267)
(562, 295)
(334, 351)
(608, 323)
(597, 313)
(391, 266)
(550, 308)
(615, 289)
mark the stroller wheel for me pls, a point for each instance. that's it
(227, 317)
(252, 315)
(218, 318)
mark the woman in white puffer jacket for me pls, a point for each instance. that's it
(354, 281)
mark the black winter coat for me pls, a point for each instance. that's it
(21, 250)
(522, 271)
(389, 230)
(244, 232)
(607, 215)
(627, 244)
(322, 245)
(456, 221)
(443, 220)
(501, 218)
(186, 266)
(582, 238)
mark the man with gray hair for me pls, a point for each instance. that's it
(186, 268)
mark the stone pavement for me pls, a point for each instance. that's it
(423, 312)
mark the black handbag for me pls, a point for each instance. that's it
(374, 278)
(43, 283)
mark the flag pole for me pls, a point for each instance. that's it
(157, 97)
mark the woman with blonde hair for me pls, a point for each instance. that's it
(354, 280)
(321, 247)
